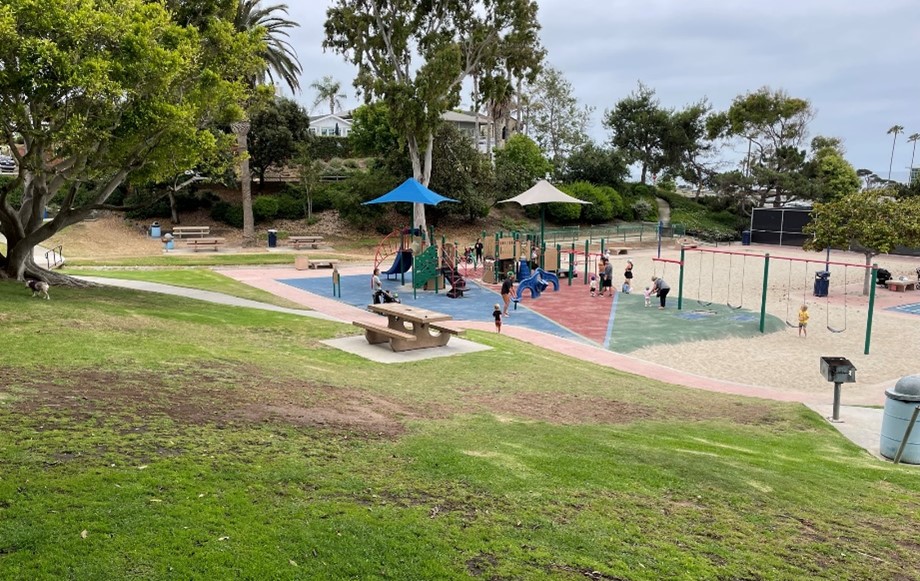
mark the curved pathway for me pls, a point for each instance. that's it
(664, 212)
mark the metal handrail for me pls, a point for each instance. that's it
(54, 257)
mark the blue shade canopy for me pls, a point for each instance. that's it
(413, 192)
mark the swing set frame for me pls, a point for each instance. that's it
(873, 268)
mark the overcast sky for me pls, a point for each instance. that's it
(855, 60)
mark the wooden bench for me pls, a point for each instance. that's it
(302, 262)
(901, 285)
(205, 243)
(191, 231)
(301, 241)
(618, 250)
(376, 334)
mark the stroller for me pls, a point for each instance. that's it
(385, 296)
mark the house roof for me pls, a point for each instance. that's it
(463, 117)
(335, 118)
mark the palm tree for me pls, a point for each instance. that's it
(328, 90)
(914, 137)
(280, 64)
(894, 129)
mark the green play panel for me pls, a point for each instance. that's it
(635, 326)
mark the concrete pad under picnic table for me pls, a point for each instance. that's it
(381, 353)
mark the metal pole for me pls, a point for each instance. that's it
(587, 257)
(680, 283)
(827, 264)
(836, 416)
(873, 280)
(659, 238)
(763, 293)
(910, 428)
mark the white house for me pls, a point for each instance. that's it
(331, 125)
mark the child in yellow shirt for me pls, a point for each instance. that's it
(803, 321)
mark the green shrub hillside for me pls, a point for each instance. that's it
(605, 205)
(700, 220)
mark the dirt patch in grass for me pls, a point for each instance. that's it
(209, 396)
(564, 408)
(573, 408)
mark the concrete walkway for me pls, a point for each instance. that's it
(664, 212)
(861, 425)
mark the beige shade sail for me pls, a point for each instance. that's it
(542, 193)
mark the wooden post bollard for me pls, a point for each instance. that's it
(336, 283)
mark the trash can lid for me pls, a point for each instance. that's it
(273, 231)
(906, 389)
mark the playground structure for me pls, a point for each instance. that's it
(536, 283)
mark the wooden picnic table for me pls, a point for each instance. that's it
(407, 327)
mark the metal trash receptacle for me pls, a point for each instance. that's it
(745, 238)
(900, 403)
(155, 230)
(272, 238)
(822, 283)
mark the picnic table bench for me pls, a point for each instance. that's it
(901, 285)
(205, 243)
(618, 250)
(407, 327)
(301, 241)
(303, 262)
(191, 231)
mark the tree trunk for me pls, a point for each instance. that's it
(644, 170)
(249, 232)
(173, 211)
(309, 206)
(867, 277)
(422, 175)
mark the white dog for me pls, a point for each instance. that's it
(38, 287)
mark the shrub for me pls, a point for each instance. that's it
(642, 210)
(229, 214)
(290, 208)
(264, 208)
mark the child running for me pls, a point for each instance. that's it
(497, 315)
(803, 321)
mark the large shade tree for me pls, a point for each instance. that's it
(774, 127)
(279, 64)
(872, 222)
(559, 123)
(414, 56)
(639, 127)
(277, 127)
(96, 94)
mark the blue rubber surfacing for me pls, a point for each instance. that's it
(476, 304)
(911, 309)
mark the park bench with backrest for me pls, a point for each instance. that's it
(191, 231)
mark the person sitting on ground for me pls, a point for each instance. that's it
(660, 288)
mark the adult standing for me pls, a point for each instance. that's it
(628, 277)
(607, 277)
(478, 248)
(507, 289)
(661, 288)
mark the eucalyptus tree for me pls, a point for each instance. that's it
(278, 64)
(415, 56)
(328, 90)
(83, 116)
(560, 125)
(893, 130)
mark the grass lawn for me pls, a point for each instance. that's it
(148, 436)
(185, 260)
(197, 278)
